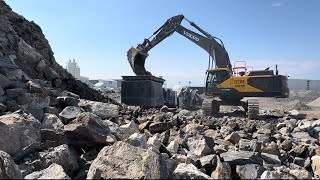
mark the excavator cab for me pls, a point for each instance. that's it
(217, 76)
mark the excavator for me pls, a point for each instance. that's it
(225, 85)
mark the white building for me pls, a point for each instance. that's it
(73, 68)
(107, 85)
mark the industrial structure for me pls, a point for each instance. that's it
(73, 68)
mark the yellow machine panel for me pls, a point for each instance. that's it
(240, 83)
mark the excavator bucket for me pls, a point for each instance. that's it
(137, 60)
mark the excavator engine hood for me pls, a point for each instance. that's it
(137, 60)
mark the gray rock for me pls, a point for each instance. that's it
(271, 158)
(173, 146)
(198, 146)
(222, 171)
(51, 110)
(34, 100)
(68, 101)
(296, 151)
(62, 155)
(36, 88)
(249, 171)
(188, 171)
(226, 130)
(1, 91)
(244, 144)
(164, 109)
(240, 158)
(158, 127)
(301, 173)
(70, 113)
(124, 161)
(155, 141)
(167, 166)
(4, 81)
(125, 131)
(255, 145)
(52, 138)
(18, 130)
(271, 175)
(286, 145)
(138, 140)
(54, 171)
(103, 110)
(51, 121)
(3, 108)
(234, 138)
(209, 162)
(7, 63)
(15, 92)
(271, 148)
(193, 128)
(37, 113)
(87, 130)
(184, 112)
(180, 158)
(12, 106)
(303, 137)
(315, 164)
(8, 169)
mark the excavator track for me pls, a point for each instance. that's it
(209, 107)
(253, 108)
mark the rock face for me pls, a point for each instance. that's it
(131, 163)
(54, 171)
(24, 41)
(8, 169)
(18, 130)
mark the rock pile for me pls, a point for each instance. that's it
(51, 130)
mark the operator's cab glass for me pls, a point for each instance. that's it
(216, 77)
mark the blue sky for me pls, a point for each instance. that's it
(98, 33)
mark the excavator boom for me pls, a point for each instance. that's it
(137, 56)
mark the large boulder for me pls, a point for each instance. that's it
(87, 130)
(123, 132)
(241, 158)
(70, 113)
(198, 146)
(188, 171)
(18, 130)
(316, 165)
(62, 155)
(249, 171)
(8, 169)
(51, 121)
(222, 171)
(124, 161)
(138, 140)
(54, 171)
(103, 110)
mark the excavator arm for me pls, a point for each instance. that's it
(216, 50)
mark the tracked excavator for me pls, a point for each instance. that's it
(225, 84)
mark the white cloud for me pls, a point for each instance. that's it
(276, 4)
